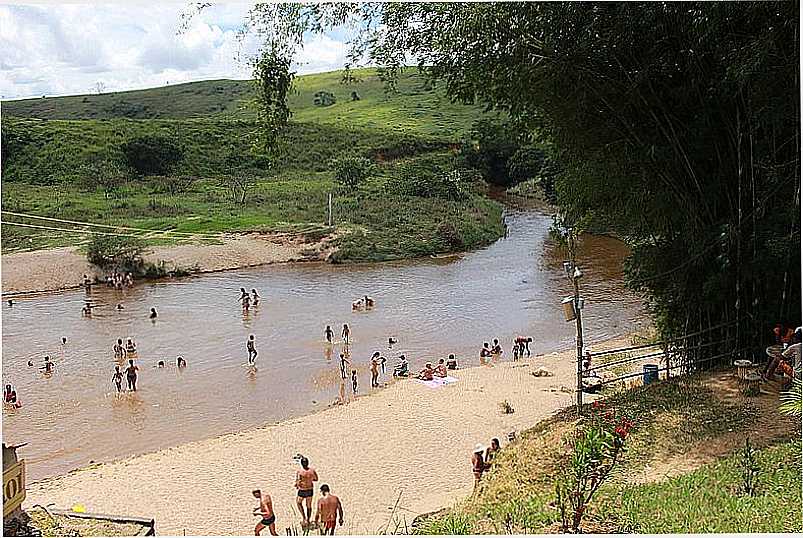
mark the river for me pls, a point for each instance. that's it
(433, 307)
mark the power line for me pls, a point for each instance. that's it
(68, 230)
(51, 219)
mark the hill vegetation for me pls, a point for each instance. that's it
(80, 158)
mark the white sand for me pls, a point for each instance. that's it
(407, 438)
(60, 268)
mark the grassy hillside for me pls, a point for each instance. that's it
(49, 143)
(680, 472)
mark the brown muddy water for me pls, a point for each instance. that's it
(433, 307)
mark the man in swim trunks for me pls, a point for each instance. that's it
(117, 378)
(330, 512)
(131, 375)
(266, 511)
(252, 350)
(304, 484)
(329, 334)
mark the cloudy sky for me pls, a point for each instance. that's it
(63, 49)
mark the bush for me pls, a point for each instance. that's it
(152, 154)
(324, 98)
(526, 163)
(489, 147)
(426, 179)
(116, 252)
(352, 171)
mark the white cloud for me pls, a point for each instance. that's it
(65, 49)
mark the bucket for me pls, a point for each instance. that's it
(650, 373)
(568, 308)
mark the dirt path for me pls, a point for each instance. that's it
(60, 268)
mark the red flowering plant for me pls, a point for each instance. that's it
(593, 452)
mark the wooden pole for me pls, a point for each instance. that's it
(330, 209)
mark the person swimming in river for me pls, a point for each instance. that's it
(10, 397)
(392, 341)
(131, 375)
(344, 361)
(180, 362)
(119, 306)
(252, 350)
(346, 333)
(153, 314)
(329, 334)
(254, 297)
(117, 379)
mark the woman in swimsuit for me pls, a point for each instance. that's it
(131, 375)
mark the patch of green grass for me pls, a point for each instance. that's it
(516, 495)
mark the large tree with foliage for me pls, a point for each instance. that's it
(676, 125)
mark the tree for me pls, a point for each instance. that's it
(116, 252)
(676, 126)
(152, 154)
(352, 171)
(490, 145)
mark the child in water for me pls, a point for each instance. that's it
(117, 378)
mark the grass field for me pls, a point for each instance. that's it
(673, 420)
(44, 170)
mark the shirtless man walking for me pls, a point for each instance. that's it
(304, 484)
(252, 350)
(266, 511)
(330, 511)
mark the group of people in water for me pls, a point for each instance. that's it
(329, 512)
(249, 299)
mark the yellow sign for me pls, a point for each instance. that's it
(13, 487)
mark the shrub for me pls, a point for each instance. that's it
(750, 469)
(489, 147)
(104, 171)
(426, 179)
(352, 171)
(324, 98)
(594, 451)
(152, 154)
(117, 252)
(526, 163)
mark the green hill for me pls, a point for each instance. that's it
(49, 145)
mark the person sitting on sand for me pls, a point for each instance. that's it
(451, 362)
(354, 381)
(491, 452)
(254, 296)
(265, 510)
(485, 352)
(329, 334)
(401, 369)
(131, 375)
(117, 379)
(427, 372)
(346, 333)
(304, 484)
(440, 369)
(180, 362)
(524, 344)
(344, 362)
(330, 511)
(477, 464)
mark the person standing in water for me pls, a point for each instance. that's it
(48, 367)
(346, 333)
(254, 297)
(266, 511)
(329, 334)
(153, 314)
(329, 512)
(344, 361)
(246, 303)
(304, 483)
(375, 370)
(131, 375)
(130, 347)
(119, 350)
(117, 379)
(252, 350)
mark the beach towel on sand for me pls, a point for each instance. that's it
(438, 381)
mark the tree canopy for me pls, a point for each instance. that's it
(676, 125)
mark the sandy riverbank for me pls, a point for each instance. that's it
(408, 439)
(60, 268)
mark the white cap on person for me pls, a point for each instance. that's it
(479, 448)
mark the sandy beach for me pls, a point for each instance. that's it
(409, 440)
(61, 268)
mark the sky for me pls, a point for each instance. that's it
(67, 49)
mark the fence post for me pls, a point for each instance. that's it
(330, 209)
